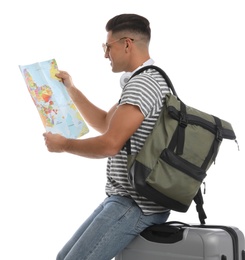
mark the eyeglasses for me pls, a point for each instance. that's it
(106, 46)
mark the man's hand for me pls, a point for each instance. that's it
(66, 78)
(55, 142)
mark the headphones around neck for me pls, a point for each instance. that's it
(127, 75)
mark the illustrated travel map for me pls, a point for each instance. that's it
(58, 112)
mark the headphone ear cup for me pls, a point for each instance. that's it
(125, 78)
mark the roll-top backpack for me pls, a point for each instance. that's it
(172, 164)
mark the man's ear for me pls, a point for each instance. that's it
(127, 43)
(126, 47)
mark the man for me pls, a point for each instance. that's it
(124, 213)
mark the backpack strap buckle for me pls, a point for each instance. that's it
(183, 121)
(219, 134)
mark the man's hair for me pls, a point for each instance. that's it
(129, 22)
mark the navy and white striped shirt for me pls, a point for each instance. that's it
(147, 91)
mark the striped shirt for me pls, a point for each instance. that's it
(147, 91)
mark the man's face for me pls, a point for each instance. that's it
(114, 49)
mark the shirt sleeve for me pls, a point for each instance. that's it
(142, 91)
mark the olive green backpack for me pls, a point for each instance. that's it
(172, 164)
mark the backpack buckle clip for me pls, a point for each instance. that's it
(219, 135)
(183, 122)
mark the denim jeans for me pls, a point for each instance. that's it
(109, 229)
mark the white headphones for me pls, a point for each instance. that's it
(126, 76)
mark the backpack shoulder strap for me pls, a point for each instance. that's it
(198, 199)
(164, 75)
(168, 81)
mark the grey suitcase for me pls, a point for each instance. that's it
(180, 241)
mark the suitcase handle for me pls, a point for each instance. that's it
(168, 233)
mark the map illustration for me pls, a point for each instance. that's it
(56, 109)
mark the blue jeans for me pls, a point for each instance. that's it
(110, 228)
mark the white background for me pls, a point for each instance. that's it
(44, 197)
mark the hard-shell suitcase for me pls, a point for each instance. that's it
(180, 241)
